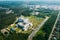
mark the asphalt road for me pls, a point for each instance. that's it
(37, 29)
(54, 27)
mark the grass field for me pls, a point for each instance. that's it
(35, 20)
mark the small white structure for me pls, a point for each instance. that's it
(9, 11)
(36, 13)
(26, 27)
(12, 24)
(37, 6)
(54, 38)
(5, 32)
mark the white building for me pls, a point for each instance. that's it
(9, 11)
(24, 23)
(36, 13)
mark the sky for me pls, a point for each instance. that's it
(29, 0)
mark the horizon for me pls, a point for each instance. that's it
(32, 0)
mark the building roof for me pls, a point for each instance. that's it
(5, 32)
(25, 24)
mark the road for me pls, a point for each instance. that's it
(37, 29)
(54, 27)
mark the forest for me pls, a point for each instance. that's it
(43, 33)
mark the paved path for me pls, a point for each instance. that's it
(54, 27)
(37, 29)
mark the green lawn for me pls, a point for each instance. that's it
(35, 20)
